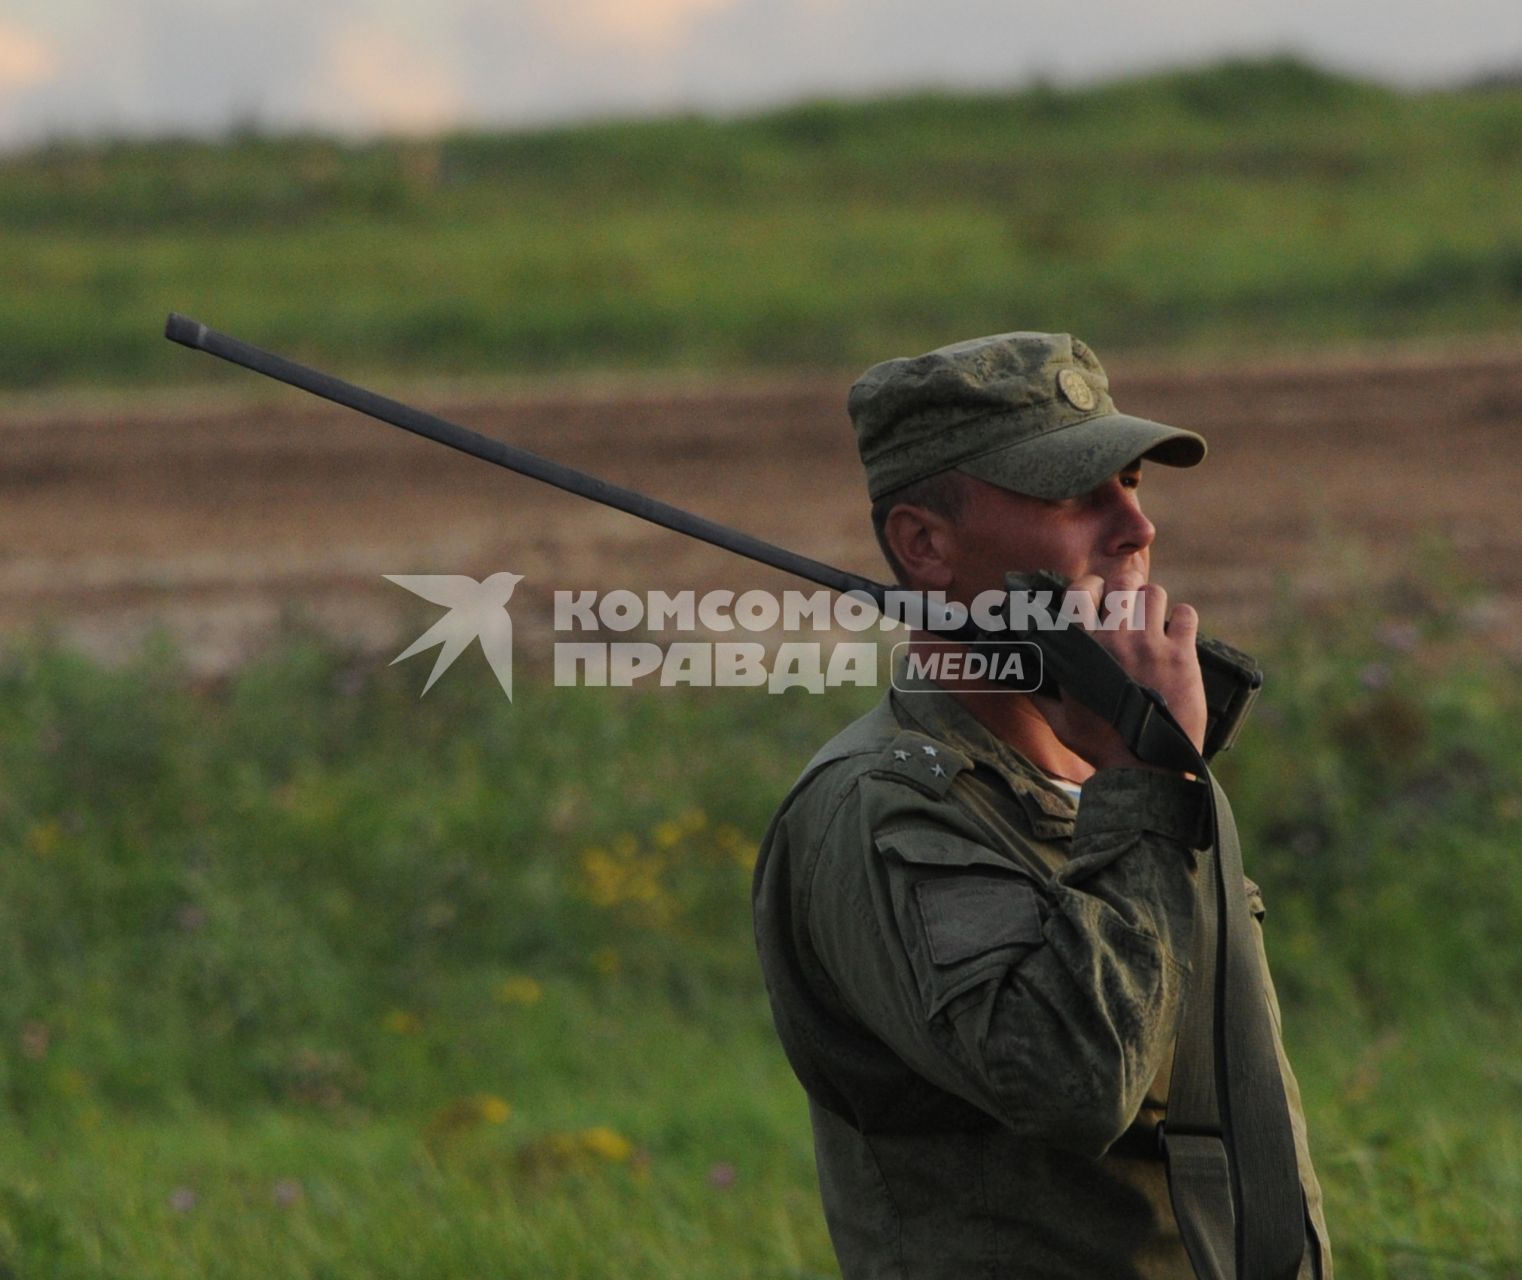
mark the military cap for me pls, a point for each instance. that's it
(1029, 412)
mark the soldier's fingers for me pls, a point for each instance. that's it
(1124, 610)
(1154, 605)
(1183, 624)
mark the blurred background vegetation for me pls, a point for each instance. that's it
(301, 976)
(1222, 209)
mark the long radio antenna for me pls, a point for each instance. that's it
(200, 337)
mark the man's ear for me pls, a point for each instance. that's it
(923, 543)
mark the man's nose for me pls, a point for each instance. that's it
(1132, 531)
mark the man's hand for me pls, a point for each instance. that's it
(1159, 654)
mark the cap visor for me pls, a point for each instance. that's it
(1079, 458)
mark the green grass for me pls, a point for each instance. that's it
(441, 1191)
(1220, 209)
(302, 976)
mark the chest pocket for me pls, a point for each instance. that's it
(965, 914)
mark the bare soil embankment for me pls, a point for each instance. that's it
(216, 521)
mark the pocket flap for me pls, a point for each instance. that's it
(969, 915)
(941, 849)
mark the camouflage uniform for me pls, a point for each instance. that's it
(988, 982)
(978, 980)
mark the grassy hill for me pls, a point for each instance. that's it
(1222, 209)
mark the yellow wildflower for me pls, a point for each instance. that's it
(45, 837)
(519, 990)
(622, 877)
(605, 1143)
(602, 876)
(463, 1115)
(735, 847)
(643, 886)
(494, 1110)
(402, 1022)
(667, 834)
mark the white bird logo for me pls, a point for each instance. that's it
(476, 610)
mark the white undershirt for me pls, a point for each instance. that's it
(1072, 788)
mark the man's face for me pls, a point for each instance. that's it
(1102, 532)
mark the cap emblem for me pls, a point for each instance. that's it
(1076, 390)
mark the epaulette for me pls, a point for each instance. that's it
(922, 762)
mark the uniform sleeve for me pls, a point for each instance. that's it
(1050, 1005)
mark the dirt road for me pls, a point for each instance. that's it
(217, 519)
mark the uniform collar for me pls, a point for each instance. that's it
(926, 706)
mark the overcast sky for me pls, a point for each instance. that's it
(359, 66)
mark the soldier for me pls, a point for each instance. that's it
(974, 909)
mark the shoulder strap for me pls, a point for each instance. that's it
(1228, 1143)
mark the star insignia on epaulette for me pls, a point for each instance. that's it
(931, 766)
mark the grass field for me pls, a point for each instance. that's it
(1225, 209)
(304, 977)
